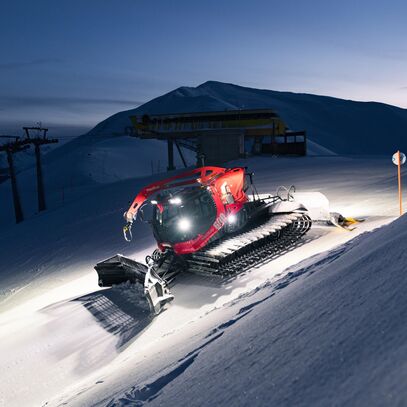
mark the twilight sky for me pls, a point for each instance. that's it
(72, 63)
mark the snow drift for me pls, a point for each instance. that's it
(89, 345)
(332, 332)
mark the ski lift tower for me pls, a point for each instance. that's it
(39, 139)
(11, 148)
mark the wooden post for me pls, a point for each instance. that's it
(399, 181)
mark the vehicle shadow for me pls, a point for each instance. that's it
(122, 311)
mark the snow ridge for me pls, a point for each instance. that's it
(343, 126)
(334, 335)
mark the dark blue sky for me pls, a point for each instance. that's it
(73, 63)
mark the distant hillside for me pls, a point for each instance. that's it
(107, 154)
(343, 126)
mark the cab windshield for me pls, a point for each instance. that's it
(184, 215)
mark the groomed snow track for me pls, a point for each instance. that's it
(258, 245)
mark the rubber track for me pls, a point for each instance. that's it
(258, 245)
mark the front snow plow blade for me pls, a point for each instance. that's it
(120, 269)
(156, 291)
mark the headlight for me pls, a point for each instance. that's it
(232, 218)
(175, 201)
(184, 224)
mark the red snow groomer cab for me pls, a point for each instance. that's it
(208, 220)
(187, 218)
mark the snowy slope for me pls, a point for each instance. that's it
(80, 166)
(88, 345)
(331, 332)
(55, 321)
(26, 158)
(88, 227)
(343, 126)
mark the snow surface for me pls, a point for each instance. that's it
(64, 340)
(331, 332)
(80, 166)
(26, 158)
(320, 325)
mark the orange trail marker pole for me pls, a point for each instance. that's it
(399, 179)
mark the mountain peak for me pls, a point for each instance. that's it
(337, 124)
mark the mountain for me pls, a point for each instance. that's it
(106, 153)
(343, 126)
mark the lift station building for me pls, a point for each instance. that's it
(217, 137)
